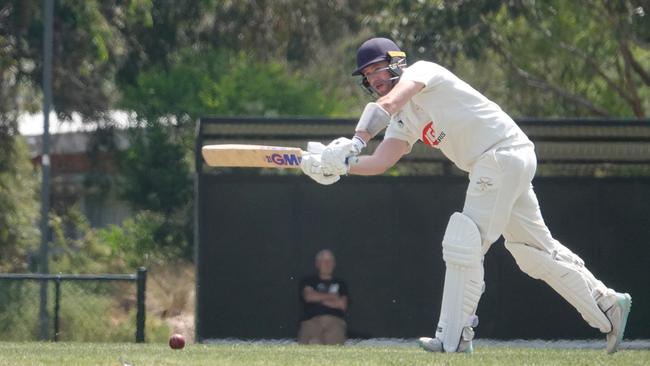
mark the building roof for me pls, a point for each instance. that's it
(70, 137)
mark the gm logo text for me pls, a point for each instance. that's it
(283, 159)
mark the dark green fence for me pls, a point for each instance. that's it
(258, 236)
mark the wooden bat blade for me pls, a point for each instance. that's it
(254, 156)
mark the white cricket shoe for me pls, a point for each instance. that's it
(617, 315)
(430, 344)
(435, 345)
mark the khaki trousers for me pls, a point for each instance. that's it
(322, 329)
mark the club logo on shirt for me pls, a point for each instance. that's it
(483, 183)
(429, 135)
(332, 288)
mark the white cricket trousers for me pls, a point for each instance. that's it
(501, 201)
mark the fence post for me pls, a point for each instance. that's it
(42, 313)
(48, 14)
(57, 306)
(142, 289)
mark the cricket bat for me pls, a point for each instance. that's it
(254, 156)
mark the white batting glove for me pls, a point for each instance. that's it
(311, 165)
(315, 147)
(336, 154)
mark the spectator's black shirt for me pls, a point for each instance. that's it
(334, 285)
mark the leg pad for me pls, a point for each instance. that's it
(462, 252)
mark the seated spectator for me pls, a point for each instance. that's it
(325, 301)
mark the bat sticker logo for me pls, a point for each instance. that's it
(283, 159)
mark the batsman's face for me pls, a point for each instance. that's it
(378, 77)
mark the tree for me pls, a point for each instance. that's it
(18, 207)
(104, 50)
(90, 48)
(168, 101)
(96, 44)
(292, 30)
(207, 81)
(155, 175)
(556, 58)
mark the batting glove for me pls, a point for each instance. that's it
(336, 154)
(311, 165)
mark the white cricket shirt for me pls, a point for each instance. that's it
(450, 115)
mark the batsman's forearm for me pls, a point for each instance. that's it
(367, 165)
(385, 156)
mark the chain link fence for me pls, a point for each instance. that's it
(80, 308)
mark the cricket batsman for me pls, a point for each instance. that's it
(427, 102)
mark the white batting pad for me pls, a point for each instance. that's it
(565, 273)
(461, 250)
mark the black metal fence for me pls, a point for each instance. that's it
(83, 307)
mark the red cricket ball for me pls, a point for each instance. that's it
(177, 341)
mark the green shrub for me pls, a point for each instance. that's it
(19, 310)
(146, 239)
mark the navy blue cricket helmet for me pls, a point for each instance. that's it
(378, 49)
(375, 50)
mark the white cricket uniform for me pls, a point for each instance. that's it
(477, 136)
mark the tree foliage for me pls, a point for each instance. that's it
(557, 58)
(584, 57)
(146, 239)
(293, 30)
(212, 82)
(154, 173)
(18, 209)
(156, 167)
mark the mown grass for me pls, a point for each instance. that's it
(120, 354)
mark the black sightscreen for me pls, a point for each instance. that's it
(258, 235)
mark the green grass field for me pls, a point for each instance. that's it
(77, 354)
